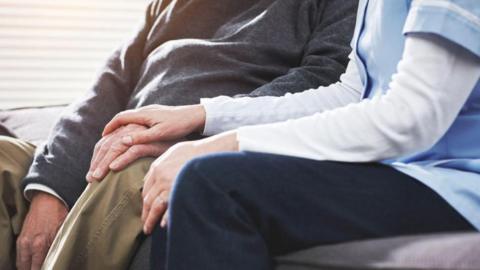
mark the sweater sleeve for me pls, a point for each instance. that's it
(325, 55)
(62, 162)
(413, 115)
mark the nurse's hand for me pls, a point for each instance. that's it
(163, 172)
(164, 123)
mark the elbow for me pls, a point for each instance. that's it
(420, 132)
(411, 128)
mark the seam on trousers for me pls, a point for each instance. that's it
(127, 196)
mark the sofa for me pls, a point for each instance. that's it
(453, 251)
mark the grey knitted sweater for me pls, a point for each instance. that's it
(189, 49)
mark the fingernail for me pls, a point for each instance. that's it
(163, 224)
(89, 176)
(97, 173)
(114, 165)
(145, 229)
(127, 140)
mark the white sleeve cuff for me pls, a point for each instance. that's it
(217, 118)
(39, 187)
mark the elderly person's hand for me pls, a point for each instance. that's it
(111, 154)
(165, 123)
(161, 176)
(43, 220)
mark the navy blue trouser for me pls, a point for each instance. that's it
(238, 210)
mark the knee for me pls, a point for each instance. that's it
(193, 187)
(15, 147)
(199, 171)
(131, 176)
(188, 179)
(116, 188)
(15, 155)
(203, 177)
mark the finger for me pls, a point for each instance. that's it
(149, 199)
(103, 165)
(123, 118)
(150, 135)
(24, 254)
(40, 249)
(148, 180)
(136, 152)
(92, 167)
(164, 222)
(158, 209)
(103, 147)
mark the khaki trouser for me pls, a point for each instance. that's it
(15, 158)
(102, 230)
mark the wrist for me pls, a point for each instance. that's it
(200, 115)
(224, 142)
(40, 196)
(230, 140)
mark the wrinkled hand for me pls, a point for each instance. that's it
(40, 227)
(165, 123)
(111, 154)
(138, 151)
(163, 171)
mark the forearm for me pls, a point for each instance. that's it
(224, 113)
(418, 109)
(224, 142)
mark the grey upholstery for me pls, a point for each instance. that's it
(455, 251)
(4, 131)
(30, 124)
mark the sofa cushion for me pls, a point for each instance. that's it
(453, 251)
(30, 124)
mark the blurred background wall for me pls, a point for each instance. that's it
(50, 50)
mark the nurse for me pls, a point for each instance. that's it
(391, 149)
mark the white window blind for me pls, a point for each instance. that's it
(51, 49)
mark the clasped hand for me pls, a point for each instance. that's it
(147, 131)
(155, 131)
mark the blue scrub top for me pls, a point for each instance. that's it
(452, 166)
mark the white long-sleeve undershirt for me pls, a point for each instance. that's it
(226, 113)
(433, 80)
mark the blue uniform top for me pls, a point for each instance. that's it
(452, 166)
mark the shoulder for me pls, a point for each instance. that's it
(156, 7)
